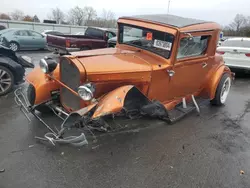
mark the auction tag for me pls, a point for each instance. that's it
(149, 36)
(162, 44)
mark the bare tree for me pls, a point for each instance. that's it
(57, 15)
(76, 16)
(5, 16)
(107, 15)
(108, 18)
(17, 15)
(238, 22)
(89, 14)
(248, 21)
(28, 18)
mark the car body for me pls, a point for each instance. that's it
(236, 52)
(80, 33)
(161, 74)
(51, 32)
(23, 39)
(12, 69)
(93, 38)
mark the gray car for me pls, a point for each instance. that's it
(22, 39)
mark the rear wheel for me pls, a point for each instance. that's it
(31, 95)
(6, 80)
(222, 90)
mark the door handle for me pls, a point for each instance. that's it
(171, 73)
(204, 65)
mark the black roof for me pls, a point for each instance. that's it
(168, 19)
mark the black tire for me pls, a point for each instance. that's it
(5, 74)
(31, 95)
(16, 48)
(221, 86)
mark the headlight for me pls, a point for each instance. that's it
(44, 66)
(48, 65)
(86, 92)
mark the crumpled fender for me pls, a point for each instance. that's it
(43, 84)
(212, 85)
(115, 101)
(112, 102)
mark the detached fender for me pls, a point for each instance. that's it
(127, 97)
(43, 85)
(215, 79)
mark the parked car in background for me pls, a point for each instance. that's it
(12, 69)
(51, 32)
(164, 74)
(2, 27)
(93, 38)
(236, 52)
(23, 39)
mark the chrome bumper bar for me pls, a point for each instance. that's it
(53, 136)
(22, 102)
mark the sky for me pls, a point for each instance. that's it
(221, 11)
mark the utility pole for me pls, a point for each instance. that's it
(168, 5)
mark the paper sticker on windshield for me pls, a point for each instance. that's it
(162, 44)
(149, 36)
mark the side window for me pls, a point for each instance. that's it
(22, 33)
(191, 47)
(110, 35)
(35, 34)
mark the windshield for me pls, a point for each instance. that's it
(148, 39)
(5, 31)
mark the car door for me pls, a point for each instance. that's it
(38, 40)
(191, 66)
(23, 38)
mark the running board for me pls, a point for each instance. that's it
(184, 108)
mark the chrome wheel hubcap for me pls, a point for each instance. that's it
(5, 81)
(13, 47)
(225, 90)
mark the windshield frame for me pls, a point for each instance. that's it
(120, 33)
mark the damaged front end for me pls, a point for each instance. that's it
(126, 101)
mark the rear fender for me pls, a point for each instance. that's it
(214, 81)
(125, 97)
(43, 84)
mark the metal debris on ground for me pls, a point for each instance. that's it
(242, 172)
(2, 170)
(95, 147)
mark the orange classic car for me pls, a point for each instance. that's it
(164, 69)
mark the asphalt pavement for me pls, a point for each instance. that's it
(210, 150)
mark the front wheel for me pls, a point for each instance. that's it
(222, 90)
(6, 80)
(31, 95)
(14, 46)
